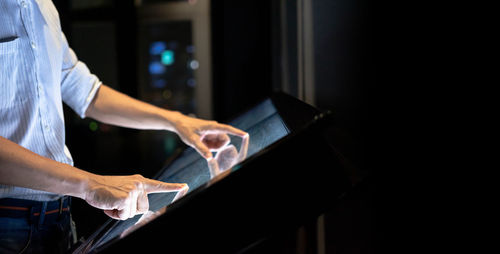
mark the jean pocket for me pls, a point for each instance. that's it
(15, 234)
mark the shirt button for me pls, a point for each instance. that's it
(39, 88)
(46, 126)
(24, 4)
(33, 45)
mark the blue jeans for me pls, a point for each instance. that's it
(42, 230)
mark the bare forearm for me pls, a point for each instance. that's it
(21, 167)
(112, 107)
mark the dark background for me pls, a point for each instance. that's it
(349, 61)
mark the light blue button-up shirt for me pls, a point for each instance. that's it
(38, 72)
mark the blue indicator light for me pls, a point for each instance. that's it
(167, 57)
(190, 49)
(156, 68)
(191, 82)
(157, 47)
(159, 83)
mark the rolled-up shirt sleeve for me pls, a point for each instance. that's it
(78, 85)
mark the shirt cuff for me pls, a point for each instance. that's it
(79, 88)
(90, 97)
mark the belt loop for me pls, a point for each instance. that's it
(61, 207)
(42, 214)
(61, 203)
(32, 216)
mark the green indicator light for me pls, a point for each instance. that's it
(93, 126)
(167, 57)
(169, 143)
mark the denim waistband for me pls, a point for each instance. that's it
(38, 211)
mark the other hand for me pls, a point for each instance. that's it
(205, 136)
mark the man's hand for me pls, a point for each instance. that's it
(227, 157)
(205, 136)
(123, 197)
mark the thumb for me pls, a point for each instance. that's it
(112, 213)
(202, 149)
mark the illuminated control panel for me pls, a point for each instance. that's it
(169, 65)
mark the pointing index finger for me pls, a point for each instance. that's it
(155, 186)
(230, 129)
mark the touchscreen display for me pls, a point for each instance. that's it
(265, 127)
